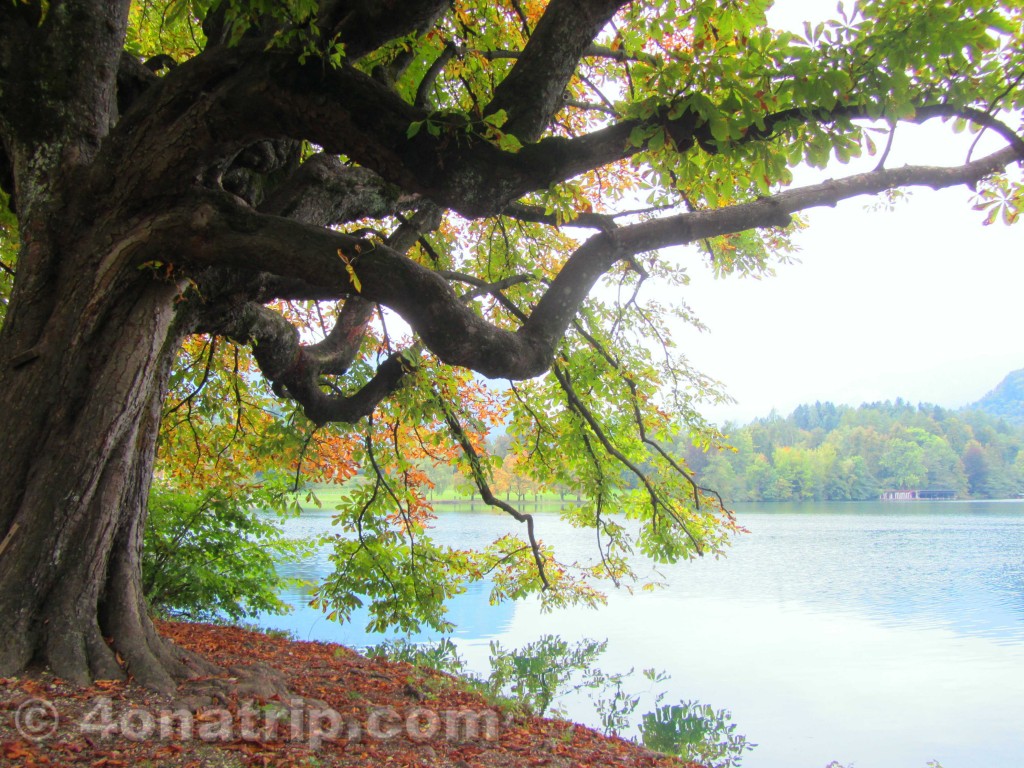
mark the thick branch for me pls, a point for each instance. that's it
(324, 191)
(585, 266)
(251, 94)
(532, 92)
(364, 25)
(776, 210)
(220, 232)
(336, 353)
(338, 350)
(133, 79)
(282, 359)
(422, 100)
(227, 234)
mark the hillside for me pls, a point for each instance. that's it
(288, 704)
(1006, 401)
(829, 452)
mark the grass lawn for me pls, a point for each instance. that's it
(330, 497)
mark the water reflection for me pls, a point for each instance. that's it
(884, 635)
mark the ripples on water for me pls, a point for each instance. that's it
(885, 635)
(956, 566)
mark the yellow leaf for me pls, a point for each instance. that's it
(351, 272)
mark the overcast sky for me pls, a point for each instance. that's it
(923, 302)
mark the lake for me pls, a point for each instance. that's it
(883, 635)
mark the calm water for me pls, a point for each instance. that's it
(883, 635)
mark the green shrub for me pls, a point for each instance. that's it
(212, 557)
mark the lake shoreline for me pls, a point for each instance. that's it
(353, 711)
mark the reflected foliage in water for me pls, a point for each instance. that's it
(537, 676)
(695, 732)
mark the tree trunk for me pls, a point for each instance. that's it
(83, 368)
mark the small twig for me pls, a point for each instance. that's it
(888, 148)
(10, 535)
(202, 382)
(484, 487)
(302, 455)
(576, 403)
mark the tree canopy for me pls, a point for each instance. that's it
(349, 237)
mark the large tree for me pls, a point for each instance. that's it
(498, 174)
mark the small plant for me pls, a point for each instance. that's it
(567, 735)
(616, 711)
(442, 656)
(540, 672)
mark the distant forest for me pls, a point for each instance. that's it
(825, 452)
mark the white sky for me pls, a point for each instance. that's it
(922, 302)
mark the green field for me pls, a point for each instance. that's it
(330, 496)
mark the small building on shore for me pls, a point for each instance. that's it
(918, 495)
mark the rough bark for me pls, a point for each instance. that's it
(128, 187)
(85, 399)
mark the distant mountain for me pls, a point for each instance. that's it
(1006, 401)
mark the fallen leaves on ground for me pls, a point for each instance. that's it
(287, 704)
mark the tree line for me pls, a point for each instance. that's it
(828, 452)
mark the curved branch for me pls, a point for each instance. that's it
(339, 348)
(775, 211)
(283, 360)
(224, 233)
(337, 351)
(422, 99)
(218, 231)
(364, 26)
(251, 94)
